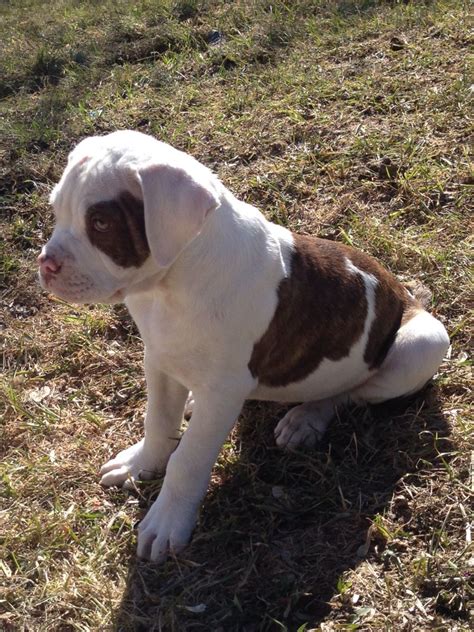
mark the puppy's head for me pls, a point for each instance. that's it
(126, 207)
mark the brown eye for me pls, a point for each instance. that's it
(101, 225)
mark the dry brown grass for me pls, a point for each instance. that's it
(347, 119)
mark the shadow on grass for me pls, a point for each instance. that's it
(277, 529)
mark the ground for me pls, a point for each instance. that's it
(345, 119)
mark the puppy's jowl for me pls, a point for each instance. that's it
(230, 307)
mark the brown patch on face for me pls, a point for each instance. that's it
(117, 228)
(321, 313)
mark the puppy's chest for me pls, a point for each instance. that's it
(181, 343)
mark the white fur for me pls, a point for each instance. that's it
(201, 301)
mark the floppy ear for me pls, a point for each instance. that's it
(176, 207)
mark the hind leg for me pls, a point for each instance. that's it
(306, 424)
(418, 350)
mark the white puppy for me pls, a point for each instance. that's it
(229, 306)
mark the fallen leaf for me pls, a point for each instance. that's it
(198, 609)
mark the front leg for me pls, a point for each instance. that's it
(164, 414)
(171, 519)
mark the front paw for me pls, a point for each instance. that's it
(166, 528)
(137, 462)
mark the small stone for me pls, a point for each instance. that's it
(277, 492)
(37, 395)
(214, 38)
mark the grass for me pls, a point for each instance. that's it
(346, 119)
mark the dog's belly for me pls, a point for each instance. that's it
(329, 379)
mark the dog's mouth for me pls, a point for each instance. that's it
(117, 296)
(45, 282)
(78, 292)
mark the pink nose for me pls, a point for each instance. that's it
(48, 266)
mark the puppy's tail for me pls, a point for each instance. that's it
(420, 292)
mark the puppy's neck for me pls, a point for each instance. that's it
(235, 241)
(225, 245)
(146, 285)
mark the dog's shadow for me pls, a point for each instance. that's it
(278, 530)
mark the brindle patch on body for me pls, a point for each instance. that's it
(125, 241)
(321, 313)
